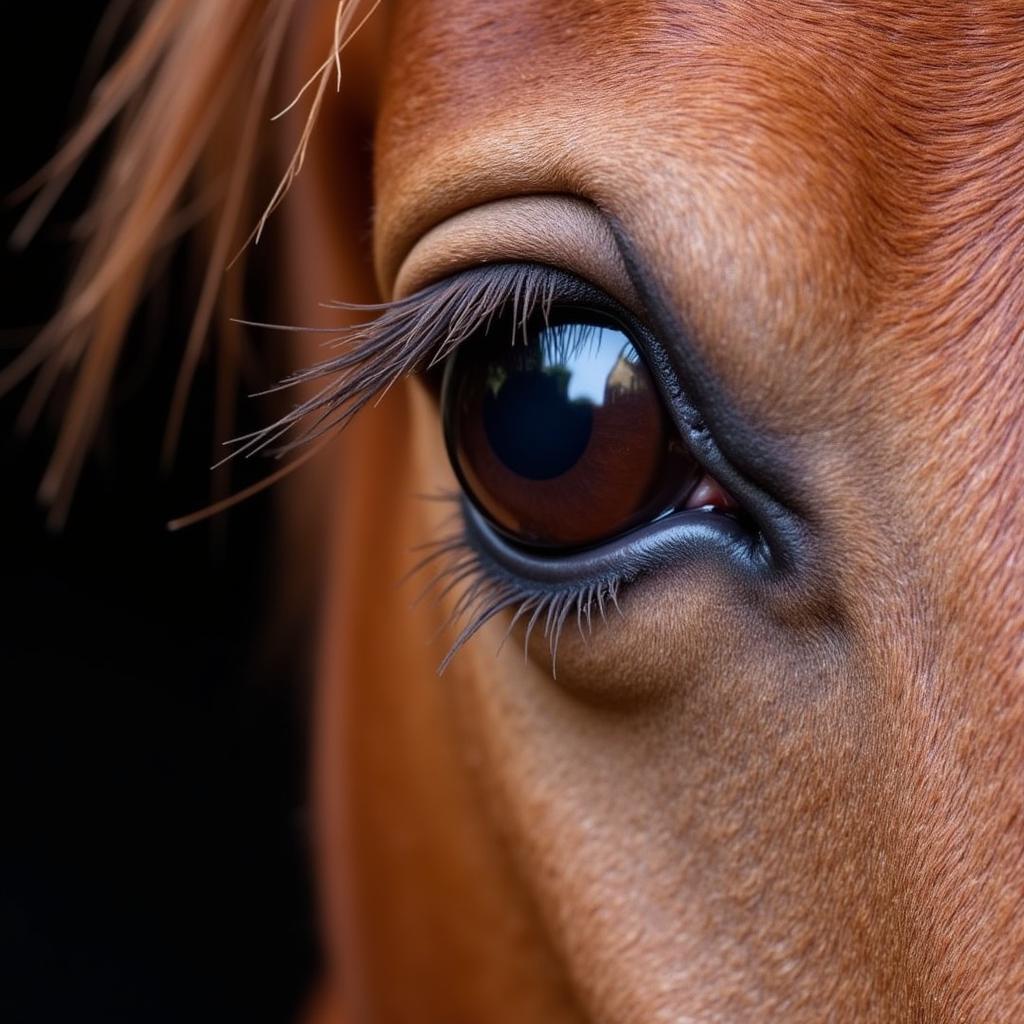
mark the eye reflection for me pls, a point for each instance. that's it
(539, 415)
(558, 432)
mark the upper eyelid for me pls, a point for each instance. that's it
(562, 231)
(575, 235)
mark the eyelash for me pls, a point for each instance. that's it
(490, 590)
(417, 334)
(411, 335)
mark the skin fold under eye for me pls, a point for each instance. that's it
(558, 433)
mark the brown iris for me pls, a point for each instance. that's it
(558, 432)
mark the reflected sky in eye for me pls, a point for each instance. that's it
(594, 357)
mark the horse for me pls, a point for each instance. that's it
(731, 719)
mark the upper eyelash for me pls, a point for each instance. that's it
(408, 335)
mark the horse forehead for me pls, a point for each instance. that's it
(607, 29)
(509, 53)
(926, 105)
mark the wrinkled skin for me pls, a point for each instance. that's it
(797, 804)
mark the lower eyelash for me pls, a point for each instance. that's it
(487, 591)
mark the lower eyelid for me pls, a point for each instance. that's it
(487, 576)
(679, 537)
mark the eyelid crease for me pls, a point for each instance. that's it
(558, 230)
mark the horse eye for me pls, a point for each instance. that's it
(558, 433)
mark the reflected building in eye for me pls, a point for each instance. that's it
(603, 363)
(626, 376)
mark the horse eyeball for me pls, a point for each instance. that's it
(558, 433)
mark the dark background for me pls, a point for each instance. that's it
(154, 860)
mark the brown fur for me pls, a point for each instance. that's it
(804, 810)
(807, 815)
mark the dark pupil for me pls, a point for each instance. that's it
(533, 425)
(558, 432)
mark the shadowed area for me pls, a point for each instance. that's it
(154, 865)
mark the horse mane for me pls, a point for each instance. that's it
(185, 102)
